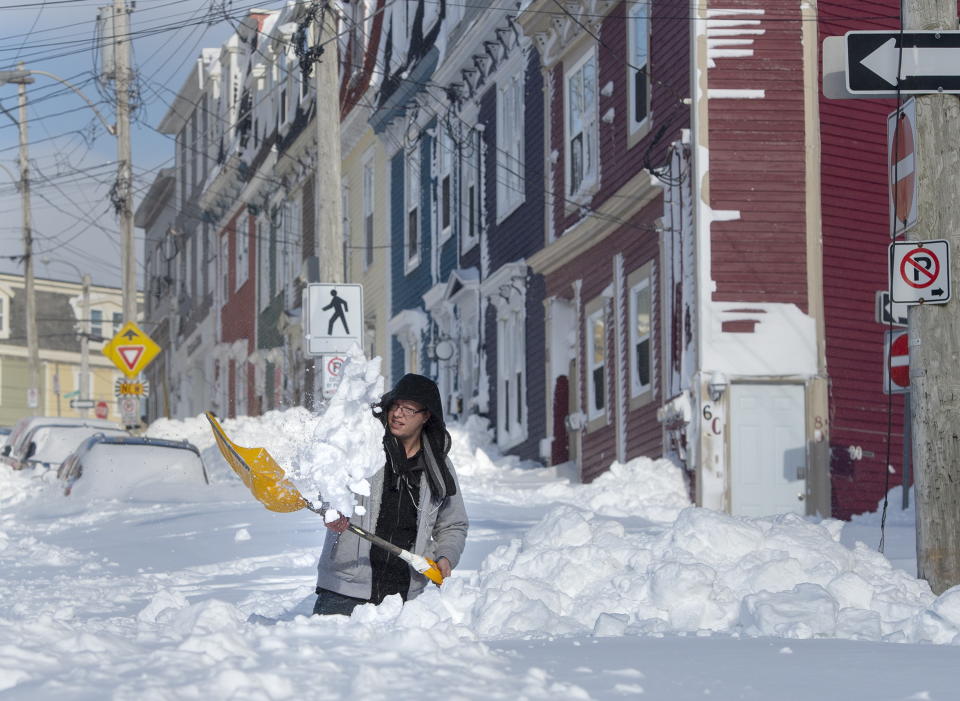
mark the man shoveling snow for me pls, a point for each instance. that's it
(414, 503)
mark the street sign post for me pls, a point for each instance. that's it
(131, 350)
(920, 272)
(902, 142)
(929, 62)
(333, 317)
(896, 366)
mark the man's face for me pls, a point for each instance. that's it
(406, 418)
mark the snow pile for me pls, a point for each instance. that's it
(896, 515)
(346, 447)
(651, 489)
(781, 576)
(331, 454)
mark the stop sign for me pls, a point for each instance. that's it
(101, 410)
(901, 147)
(898, 363)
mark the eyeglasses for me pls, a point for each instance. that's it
(406, 410)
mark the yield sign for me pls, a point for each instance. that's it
(901, 147)
(131, 350)
(913, 63)
(920, 272)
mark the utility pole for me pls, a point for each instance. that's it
(329, 216)
(33, 348)
(85, 343)
(935, 329)
(124, 194)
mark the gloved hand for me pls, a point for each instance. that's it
(340, 525)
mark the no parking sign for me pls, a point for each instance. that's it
(920, 272)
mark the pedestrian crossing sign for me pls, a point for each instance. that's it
(333, 316)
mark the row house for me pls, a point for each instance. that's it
(230, 228)
(600, 225)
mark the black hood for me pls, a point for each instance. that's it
(419, 389)
(423, 391)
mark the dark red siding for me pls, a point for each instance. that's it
(758, 162)
(238, 316)
(855, 239)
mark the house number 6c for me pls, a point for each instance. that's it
(713, 420)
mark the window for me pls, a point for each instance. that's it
(211, 257)
(412, 224)
(282, 79)
(96, 322)
(638, 63)
(596, 362)
(290, 245)
(510, 182)
(581, 142)
(511, 376)
(225, 268)
(117, 322)
(368, 193)
(182, 165)
(263, 264)
(4, 315)
(470, 220)
(640, 321)
(240, 408)
(198, 262)
(243, 252)
(445, 151)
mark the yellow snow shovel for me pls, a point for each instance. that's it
(267, 482)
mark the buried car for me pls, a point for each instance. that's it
(113, 467)
(44, 441)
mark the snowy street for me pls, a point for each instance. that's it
(612, 590)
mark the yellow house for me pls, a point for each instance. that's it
(60, 322)
(366, 228)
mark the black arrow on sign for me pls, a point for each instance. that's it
(130, 335)
(937, 292)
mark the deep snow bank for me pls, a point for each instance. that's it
(783, 576)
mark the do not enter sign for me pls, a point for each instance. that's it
(896, 368)
(901, 147)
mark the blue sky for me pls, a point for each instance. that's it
(73, 159)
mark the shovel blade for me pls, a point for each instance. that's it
(259, 471)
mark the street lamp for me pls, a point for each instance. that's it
(22, 77)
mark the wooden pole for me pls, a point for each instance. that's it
(935, 329)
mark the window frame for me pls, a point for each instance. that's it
(5, 306)
(510, 162)
(637, 281)
(471, 170)
(412, 211)
(512, 409)
(368, 175)
(445, 193)
(638, 128)
(596, 311)
(589, 180)
(241, 253)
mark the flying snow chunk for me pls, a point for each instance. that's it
(346, 448)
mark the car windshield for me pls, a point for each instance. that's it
(114, 471)
(55, 443)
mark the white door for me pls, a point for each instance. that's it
(768, 449)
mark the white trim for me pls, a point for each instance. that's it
(412, 202)
(638, 13)
(596, 317)
(589, 131)
(510, 173)
(471, 176)
(639, 281)
(368, 178)
(6, 295)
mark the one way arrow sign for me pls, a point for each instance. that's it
(928, 62)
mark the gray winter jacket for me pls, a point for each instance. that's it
(344, 565)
